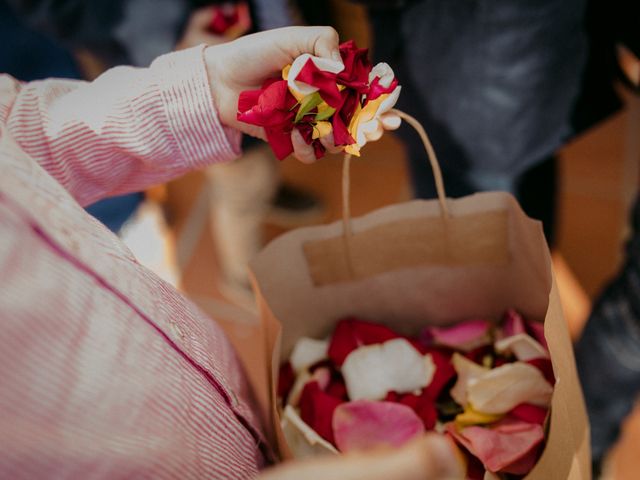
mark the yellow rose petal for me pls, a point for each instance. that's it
(285, 72)
(322, 129)
(472, 417)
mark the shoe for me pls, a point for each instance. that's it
(293, 207)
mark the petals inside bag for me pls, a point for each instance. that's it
(406, 267)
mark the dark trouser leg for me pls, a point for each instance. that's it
(608, 353)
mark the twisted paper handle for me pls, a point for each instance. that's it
(346, 185)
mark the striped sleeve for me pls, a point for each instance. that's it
(128, 129)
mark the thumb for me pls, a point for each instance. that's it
(432, 457)
(319, 41)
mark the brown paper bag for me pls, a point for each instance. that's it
(409, 265)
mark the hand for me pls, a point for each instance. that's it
(430, 458)
(197, 30)
(246, 62)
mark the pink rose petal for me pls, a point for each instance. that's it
(513, 324)
(508, 446)
(463, 336)
(529, 413)
(366, 424)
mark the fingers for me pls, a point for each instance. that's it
(319, 41)
(301, 150)
(390, 121)
(430, 458)
(327, 143)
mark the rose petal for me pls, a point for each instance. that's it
(463, 336)
(503, 388)
(308, 351)
(323, 81)
(357, 67)
(503, 446)
(279, 139)
(522, 346)
(317, 70)
(337, 388)
(316, 410)
(286, 379)
(444, 372)
(537, 331)
(467, 371)
(529, 413)
(301, 438)
(471, 417)
(351, 333)
(422, 404)
(371, 371)
(512, 324)
(273, 106)
(546, 367)
(364, 424)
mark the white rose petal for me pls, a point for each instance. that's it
(523, 346)
(467, 370)
(370, 372)
(384, 71)
(308, 351)
(503, 388)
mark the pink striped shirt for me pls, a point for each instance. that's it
(105, 370)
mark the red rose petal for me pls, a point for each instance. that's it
(280, 141)
(351, 333)
(286, 379)
(536, 329)
(338, 389)
(529, 413)
(546, 367)
(223, 19)
(477, 355)
(376, 89)
(342, 117)
(273, 106)
(366, 424)
(444, 372)
(422, 404)
(356, 67)
(316, 410)
(324, 81)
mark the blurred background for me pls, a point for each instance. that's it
(539, 98)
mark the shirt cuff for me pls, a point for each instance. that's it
(192, 116)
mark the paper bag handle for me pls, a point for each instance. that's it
(346, 184)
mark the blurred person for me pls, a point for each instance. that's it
(242, 194)
(493, 83)
(608, 351)
(107, 371)
(29, 55)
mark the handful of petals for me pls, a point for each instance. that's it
(486, 386)
(348, 102)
